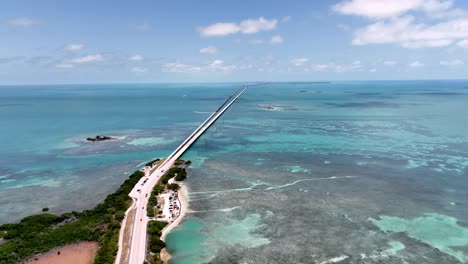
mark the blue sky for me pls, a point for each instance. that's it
(208, 41)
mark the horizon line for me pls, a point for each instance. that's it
(232, 82)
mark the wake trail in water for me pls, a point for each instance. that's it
(215, 193)
(231, 190)
(315, 179)
(224, 210)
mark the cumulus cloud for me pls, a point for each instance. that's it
(376, 9)
(248, 26)
(336, 67)
(407, 33)
(136, 57)
(213, 66)
(23, 22)
(452, 63)
(209, 50)
(276, 39)
(416, 64)
(74, 47)
(88, 59)
(396, 22)
(299, 61)
(179, 67)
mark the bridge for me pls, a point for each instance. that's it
(142, 190)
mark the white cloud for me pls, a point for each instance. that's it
(179, 67)
(216, 63)
(74, 47)
(377, 9)
(23, 22)
(209, 50)
(276, 39)
(372, 70)
(452, 63)
(336, 67)
(416, 64)
(248, 26)
(64, 66)
(136, 57)
(463, 43)
(251, 26)
(397, 24)
(213, 66)
(299, 61)
(87, 59)
(219, 65)
(138, 70)
(390, 63)
(405, 32)
(219, 29)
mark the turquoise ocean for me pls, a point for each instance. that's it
(323, 172)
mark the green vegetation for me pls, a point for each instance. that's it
(152, 162)
(40, 233)
(153, 200)
(173, 186)
(155, 243)
(45, 209)
(180, 173)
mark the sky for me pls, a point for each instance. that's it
(54, 42)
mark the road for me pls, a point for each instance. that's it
(142, 190)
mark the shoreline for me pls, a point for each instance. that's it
(183, 200)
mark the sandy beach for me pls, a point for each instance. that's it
(79, 253)
(183, 198)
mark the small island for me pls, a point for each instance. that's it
(99, 138)
(269, 107)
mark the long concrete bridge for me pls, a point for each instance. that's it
(142, 190)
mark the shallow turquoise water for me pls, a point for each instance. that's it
(305, 182)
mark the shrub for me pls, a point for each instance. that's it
(152, 162)
(173, 186)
